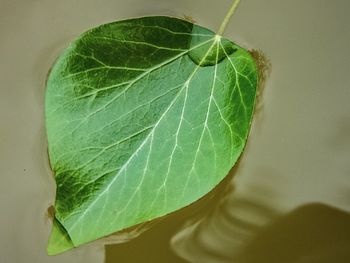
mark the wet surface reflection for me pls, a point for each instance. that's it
(221, 234)
(311, 233)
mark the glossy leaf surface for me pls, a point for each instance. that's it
(143, 116)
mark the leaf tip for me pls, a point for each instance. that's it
(59, 240)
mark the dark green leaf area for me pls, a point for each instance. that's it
(143, 116)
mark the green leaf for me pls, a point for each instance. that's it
(59, 240)
(144, 116)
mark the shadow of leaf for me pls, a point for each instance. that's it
(311, 233)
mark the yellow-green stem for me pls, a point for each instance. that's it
(228, 16)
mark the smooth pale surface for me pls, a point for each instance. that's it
(144, 116)
(307, 115)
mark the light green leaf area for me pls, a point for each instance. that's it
(144, 116)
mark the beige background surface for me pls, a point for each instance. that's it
(291, 196)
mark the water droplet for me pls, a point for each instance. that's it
(213, 51)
